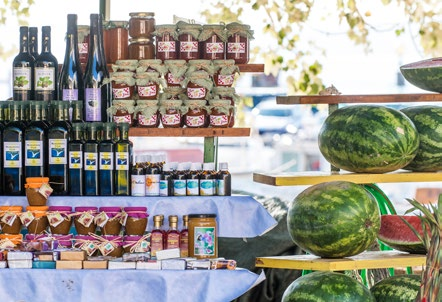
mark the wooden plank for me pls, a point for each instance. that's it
(316, 177)
(366, 260)
(251, 67)
(190, 132)
(337, 99)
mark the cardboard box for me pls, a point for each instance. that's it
(16, 255)
(95, 264)
(46, 256)
(173, 264)
(168, 254)
(20, 263)
(69, 264)
(73, 255)
(43, 264)
(149, 264)
(115, 264)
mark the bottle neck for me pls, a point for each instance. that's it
(157, 225)
(46, 42)
(77, 111)
(60, 114)
(96, 50)
(33, 42)
(92, 134)
(108, 134)
(24, 43)
(124, 134)
(36, 114)
(72, 41)
(77, 134)
(173, 226)
(14, 114)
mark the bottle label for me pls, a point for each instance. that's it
(106, 161)
(219, 120)
(122, 160)
(179, 187)
(142, 120)
(33, 156)
(122, 119)
(193, 187)
(225, 80)
(207, 187)
(215, 47)
(236, 47)
(152, 184)
(204, 242)
(195, 121)
(173, 80)
(12, 155)
(156, 242)
(90, 161)
(70, 95)
(22, 78)
(184, 244)
(171, 119)
(196, 93)
(189, 46)
(121, 93)
(93, 104)
(146, 91)
(220, 187)
(57, 151)
(44, 78)
(75, 160)
(138, 185)
(173, 241)
(166, 46)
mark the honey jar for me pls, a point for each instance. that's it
(166, 42)
(122, 111)
(148, 85)
(147, 113)
(188, 35)
(196, 115)
(213, 39)
(84, 220)
(59, 218)
(141, 24)
(123, 85)
(39, 221)
(203, 239)
(171, 113)
(221, 113)
(9, 219)
(136, 221)
(225, 71)
(176, 70)
(238, 42)
(198, 84)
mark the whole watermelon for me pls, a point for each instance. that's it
(428, 122)
(326, 287)
(399, 288)
(334, 219)
(368, 139)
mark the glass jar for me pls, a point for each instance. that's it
(166, 42)
(59, 218)
(148, 85)
(213, 39)
(196, 65)
(238, 42)
(225, 71)
(83, 44)
(125, 65)
(176, 69)
(122, 111)
(108, 219)
(141, 49)
(203, 239)
(147, 113)
(111, 246)
(84, 220)
(141, 24)
(196, 115)
(64, 241)
(116, 41)
(136, 244)
(171, 113)
(87, 243)
(226, 93)
(221, 113)
(39, 222)
(136, 221)
(9, 220)
(123, 85)
(188, 34)
(37, 190)
(198, 84)
(152, 65)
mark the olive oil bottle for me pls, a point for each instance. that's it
(123, 161)
(106, 158)
(76, 148)
(91, 181)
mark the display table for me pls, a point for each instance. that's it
(238, 216)
(127, 285)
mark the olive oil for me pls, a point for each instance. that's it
(76, 148)
(123, 161)
(91, 181)
(106, 154)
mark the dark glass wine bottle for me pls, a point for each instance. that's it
(97, 87)
(13, 149)
(71, 85)
(106, 154)
(91, 184)
(123, 161)
(46, 70)
(23, 70)
(33, 41)
(35, 142)
(75, 149)
(2, 126)
(58, 138)
(76, 112)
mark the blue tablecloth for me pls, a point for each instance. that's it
(237, 216)
(30, 285)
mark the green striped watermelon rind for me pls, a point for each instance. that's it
(322, 286)
(368, 139)
(428, 122)
(398, 288)
(334, 219)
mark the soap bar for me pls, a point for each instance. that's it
(95, 264)
(121, 265)
(73, 255)
(19, 256)
(168, 254)
(173, 264)
(20, 263)
(149, 264)
(43, 264)
(69, 264)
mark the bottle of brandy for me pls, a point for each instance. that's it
(157, 236)
(46, 70)
(173, 235)
(23, 70)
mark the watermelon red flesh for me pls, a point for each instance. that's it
(398, 288)
(324, 286)
(334, 219)
(397, 234)
(368, 139)
(428, 122)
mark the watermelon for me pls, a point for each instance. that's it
(397, 234)
(425, 74)
(399, 288)
(368, 139)
(428, 122)
(334, 219)
(324, 286)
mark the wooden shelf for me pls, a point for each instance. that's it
(366, 260)
(251, 67)
(190, 132)
(316, 177)
(368, 98)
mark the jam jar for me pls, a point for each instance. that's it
(226, 93)
(147, 113)
(111, 245)
(203, 240)
(225, 71)
(136, 244)
(141, 24)
(196, 115)
(123, 85)
(136, 221)
(205, 65)
(9, 220)
(84, 220)
(148, 85)
(122, 111)
(59, 218)
(238, 42)
(166, 42)
(221, 113)
(108, 219)
(198, 85)
(152, 65)
(171, 113)
(39, 222)
(125, 65)
(116, 41)
(175, 74)
(188, 35)
(213, 39)
(141, 48)
(83, 43)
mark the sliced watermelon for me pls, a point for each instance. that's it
(398, 235)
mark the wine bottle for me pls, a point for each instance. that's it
(97, 87)
(75, 149)
(106, 154)
(46, 70)
(76, 112)
(23, 70)
(2, 126)
(33, 41)
(91, 187)
(157, 236)
(173, 235)
(70, 84)
(123, 161)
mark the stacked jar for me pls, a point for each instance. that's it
(213, 40)
(188, 35)
(141, 29)
(238, 42)
(167, 44)
(115, 39)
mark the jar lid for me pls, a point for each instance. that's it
(137, 209)
(60, 208)
(132, 238)
(110, 209)
(37, 208)
(214, 26)
(201, 216)
(84, 237)
(185, 25)
(142, 15)
(85, 209)
(140, 40)
(236, 25)
(116, 24)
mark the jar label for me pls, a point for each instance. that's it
(106, 161)
(196, 93)
(123, 119)
(54, 218)
(171, 119)
(9, 218)
(70, 95)
(204, 242)
(195, 121)
(207, 187)
(166, 46)
(86, 219)
(219, 120)
(93, 105)
(193, 187)
(26, 218)
(44, 78)
(173, 80)
(215, 47)
(45, 190)
(122, 161)
(101, 219)
(33, 156)
(90, 161)
(143, 121)
(138, 185)
(141, 247)
(145, 91)
(121, 93)
(236, 47)
(106, 248)
(89, 246)
(189, 46)
(75, 160)
(225, 80)
(22, 78)
(152, 184)
(12, 155)
(57, 151)
(179, 187)
(83, 48)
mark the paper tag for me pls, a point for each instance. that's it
(106, 248)
(54, 218)
(45, 190)
(101, 219)
(89, 246)
(123, 218)
(26, 218)
(9, 218)
(142, 247)
(6, 244)
(86, 219)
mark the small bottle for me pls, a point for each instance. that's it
(46, 70)
(207, 180)
(166, 181)
(138, 179)
(173, 235)
(184, 238)
(157, 236)
(106, 157)
(193, 180)
(180, 181)
(223, 180)
(153, 175)
(123, 161)
(75, 149)
(23, 70)
(91, 182)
